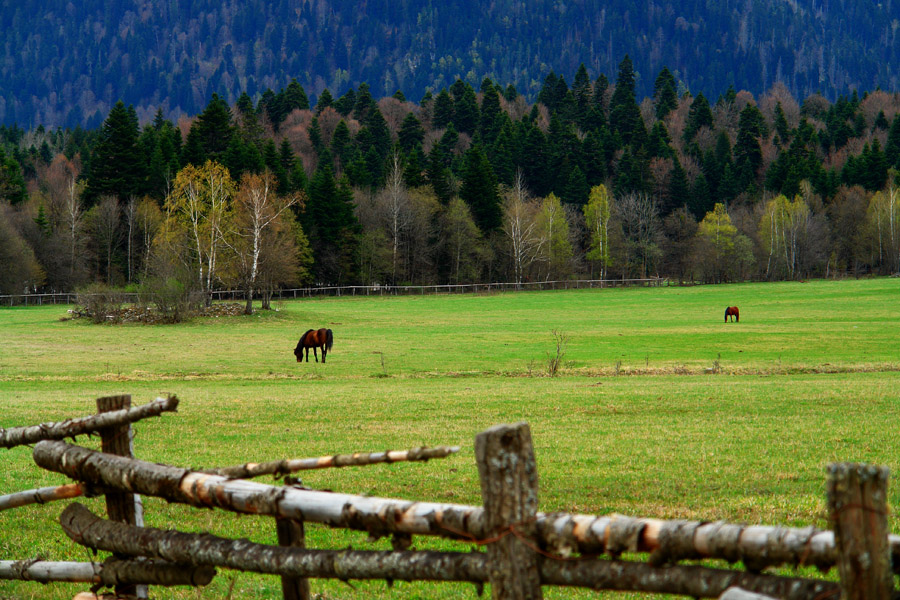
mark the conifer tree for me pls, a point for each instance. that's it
(325, 100)
(12, 183)
(116, 165)
(624, 114)
(411, 133)
(665, 93)
(699, 115)
(442, 114)
(479, 190)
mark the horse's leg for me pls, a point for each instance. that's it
(316, 354)
(324, 352)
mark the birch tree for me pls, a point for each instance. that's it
(640, 223)
(520, 228)
(883, 217)
(106, 219)
(596, 216)
(716, 244)
(553, 229)
(394, 205)
(256, 208)
(783, 233)
(201, 201)
(462, 240)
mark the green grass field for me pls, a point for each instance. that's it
(661, 409)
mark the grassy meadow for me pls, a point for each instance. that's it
(660, 408)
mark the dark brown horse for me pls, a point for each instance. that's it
(732, 311)
(314, 338)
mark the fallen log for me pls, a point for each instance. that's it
(759, 546)
(20, 436)
(109, 573)
(204, 549)
(41, 495)
(284, 467)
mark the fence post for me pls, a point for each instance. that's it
(509, 487)
(123, 507)
(857, 506)
(291, 533)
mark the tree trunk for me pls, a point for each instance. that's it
(206, 549)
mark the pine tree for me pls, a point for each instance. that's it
(679, 189)
(116, 165)
(747, 151)
(624, 114)
(665, 94)
(781, 125)
(465, 111)
(699, 115)
(443, 110)
(325, 100)
(892, 147)
(479, 190)
(213, 129)
(295, 98)
(12, 183)
(576, 189)
(411, 133)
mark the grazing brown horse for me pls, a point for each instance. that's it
(732, 311)
(314, 338)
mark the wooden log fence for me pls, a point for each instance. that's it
(474, 567)
(21, 436)
(111, 572)
(564, 534)
(284, 467)
(524, 549)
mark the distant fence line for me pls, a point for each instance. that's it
(366, 290)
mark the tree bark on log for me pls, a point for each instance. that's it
(41, 495)
(509, 488)
(205, 549)
(20, 436)
(109, 573)
(562, 533)
(291, 535)
(285, 467)
(123, 507)
(857, 502)
(378, 516)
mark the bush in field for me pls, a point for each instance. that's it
(173, 300)
(100, 302)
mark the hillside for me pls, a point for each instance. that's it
(69, 65)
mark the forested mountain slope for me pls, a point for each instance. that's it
(67, 64)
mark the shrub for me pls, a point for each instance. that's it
(100, 302)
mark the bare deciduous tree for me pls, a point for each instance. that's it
(520, 228)
(257, 208)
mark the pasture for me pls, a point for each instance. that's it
(660, 407)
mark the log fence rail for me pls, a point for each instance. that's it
(513, 547)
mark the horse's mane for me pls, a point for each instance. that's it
(300, 344)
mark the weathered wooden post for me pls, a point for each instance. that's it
(123, 507)
(291, 534)
(509, 488)
(857, 505)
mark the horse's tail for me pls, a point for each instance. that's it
(329, 339)
(737, 315)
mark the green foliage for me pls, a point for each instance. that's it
(479, 190)
(12, 183)
(116, 165)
